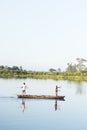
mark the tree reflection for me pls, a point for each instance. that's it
(80, 88)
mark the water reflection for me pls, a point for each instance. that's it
(56, 106)
(79, 86)
(23, 104)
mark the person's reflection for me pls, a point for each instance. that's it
(23, 105)
(55, 105)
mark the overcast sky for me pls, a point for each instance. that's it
(42, 34)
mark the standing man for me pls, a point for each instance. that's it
(56, 90)
(24, 87)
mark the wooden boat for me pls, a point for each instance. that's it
(40, 97)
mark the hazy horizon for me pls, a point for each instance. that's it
(42, 34)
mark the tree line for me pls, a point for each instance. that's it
(76, 71)
(76, 67)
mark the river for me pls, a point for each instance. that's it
(41, 114)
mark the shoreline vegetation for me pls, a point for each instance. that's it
(19, 72)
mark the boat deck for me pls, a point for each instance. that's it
(40, 96)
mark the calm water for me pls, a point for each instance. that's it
(33, 114)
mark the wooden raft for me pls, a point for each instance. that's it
(40, 96)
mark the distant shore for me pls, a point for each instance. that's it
(19, 72)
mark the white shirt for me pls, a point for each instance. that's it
(24, 87)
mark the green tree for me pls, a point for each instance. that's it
(80, 65)
(59, 69)
(71, 67)
(52, 70)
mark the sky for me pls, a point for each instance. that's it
(42, 34)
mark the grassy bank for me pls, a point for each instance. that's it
(78, 76)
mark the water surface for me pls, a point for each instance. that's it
(42, 114)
